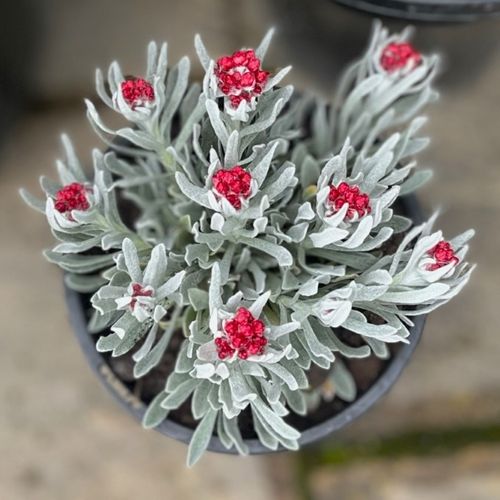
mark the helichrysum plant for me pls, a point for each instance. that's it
(264, 222)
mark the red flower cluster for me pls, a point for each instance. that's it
(233, 183)
(240, 76)
(244, 335)
(443, 254)
(72, 197)
(139, 291)
(344, 193)
(137, 92)
(397, 56)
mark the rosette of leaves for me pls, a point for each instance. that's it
(226, 370)
(83, 215)
(264, 225)
(136, 303)
(386, 87)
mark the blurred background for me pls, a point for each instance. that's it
(435, 436)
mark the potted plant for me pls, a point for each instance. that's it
(246, 268)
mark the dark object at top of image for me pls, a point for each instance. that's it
(428, 10)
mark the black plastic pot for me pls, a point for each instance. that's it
(78, 304)
(428, 10)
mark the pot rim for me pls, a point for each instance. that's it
(133, 405)
(434, 12)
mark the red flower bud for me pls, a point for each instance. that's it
(244, 334)
(233, 184)
(137, 92)
(351, 195)
(397, 56)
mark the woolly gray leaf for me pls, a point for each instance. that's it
(281, 254)
(155, 413)
(201, 437)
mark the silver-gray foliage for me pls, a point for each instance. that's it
(190, 259)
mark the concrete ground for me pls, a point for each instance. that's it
(61, 435)
(469, 474)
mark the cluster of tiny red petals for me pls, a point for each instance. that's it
(233, 183)
(442, 254)
(396, 56)
(240, 76)
(72, 197)
(139, 291)
(359, 203)
(244, 335)
(137, 92)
